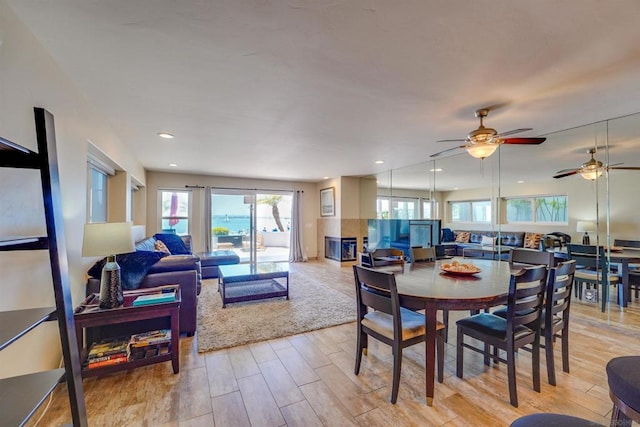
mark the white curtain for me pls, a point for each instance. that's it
(207, 219)
(296, 251)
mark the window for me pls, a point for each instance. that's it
(427, 207)
(397, 208)
(97, 197)
(174, 211)
(541, 209)
(471, 211)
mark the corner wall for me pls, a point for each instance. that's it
(30, 78)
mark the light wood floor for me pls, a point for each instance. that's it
(308, 380)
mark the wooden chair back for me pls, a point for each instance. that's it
(377, 289)
(627, 243)
(423, 254)
(558, 296)
(531, 257)
(526, 296)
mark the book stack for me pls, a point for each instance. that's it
(150, 344)
(105, 353)
(154, 298)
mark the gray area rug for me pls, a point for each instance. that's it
(312, 305)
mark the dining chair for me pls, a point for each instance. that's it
(389, 323)
(554, 321)
(530, 257)
(429, 255)
(521, 327)
(555, 317)
(591, 265)
(422, 255)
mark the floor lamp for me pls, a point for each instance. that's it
(108, 239)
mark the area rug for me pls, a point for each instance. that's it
(312, 305)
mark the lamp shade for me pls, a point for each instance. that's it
(107, 238)
(585, 226)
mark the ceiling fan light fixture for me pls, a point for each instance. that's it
(481, 151)
(591, 174)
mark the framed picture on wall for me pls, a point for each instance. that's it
(327, 202)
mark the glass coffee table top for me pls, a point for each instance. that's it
(257, 270)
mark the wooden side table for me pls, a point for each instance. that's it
(89, 314)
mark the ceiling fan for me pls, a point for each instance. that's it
(483, 142)
(592, 169)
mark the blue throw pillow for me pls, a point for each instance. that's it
(447, 235)
(133, 267)
(174, 243)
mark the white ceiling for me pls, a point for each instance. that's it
(303, 89)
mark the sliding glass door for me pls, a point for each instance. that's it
(253, 224)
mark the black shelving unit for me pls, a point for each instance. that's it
(21, 395)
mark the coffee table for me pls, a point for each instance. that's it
(246, 282)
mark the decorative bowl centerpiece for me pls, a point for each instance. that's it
(457, 267)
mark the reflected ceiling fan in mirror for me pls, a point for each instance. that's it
(484, 141)
(592, 169)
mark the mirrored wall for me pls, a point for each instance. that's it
(515, 190)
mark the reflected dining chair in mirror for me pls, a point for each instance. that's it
(521, 327)
(389, 323)
(634, 269)
(591, 269)
(422, 255)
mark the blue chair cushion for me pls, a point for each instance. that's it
(490, 324)
(623, 374)
(552, 420)
(133, 267)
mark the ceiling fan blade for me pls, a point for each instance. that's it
(530, 141)
(446, 151)
(566, 172)
(452, 140)
(628, 168)
(511, 132)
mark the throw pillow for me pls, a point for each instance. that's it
(488, 241)
(174, 243)
(161, 247)
(462, 237)
(133, 267)
(447, 235)
(532, 240)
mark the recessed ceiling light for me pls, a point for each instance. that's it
(455, 188)
(325, 177)
(173, 165)
(435, 170)
(379, 162)
(165, 135)
(520, 182)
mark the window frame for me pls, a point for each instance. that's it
(93, 192)
(188, 217)
(470, 203)
(534, 209)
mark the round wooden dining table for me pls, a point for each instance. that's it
(427, 287)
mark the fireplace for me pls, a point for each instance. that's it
(340, 248)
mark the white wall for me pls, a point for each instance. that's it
(28, 78)
(164, 180)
